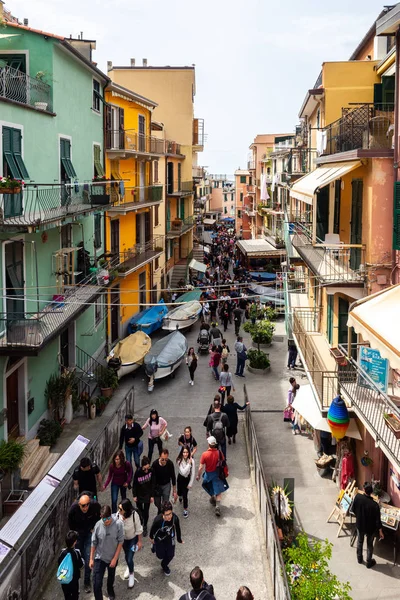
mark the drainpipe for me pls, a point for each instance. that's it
(394, 277)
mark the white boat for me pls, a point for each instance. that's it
(165, 357)
(129, 353)
(182, 317)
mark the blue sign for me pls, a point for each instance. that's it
(375, 366)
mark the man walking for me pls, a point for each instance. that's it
(164, 477)
(215, 335)
(86, 477)
(164, 534)
(368, 522)
(237, 317)
(212, 484)
(241, 356)
(82, 518)
(217, 422)
(130, 434)
(107, 541)
(200, 589)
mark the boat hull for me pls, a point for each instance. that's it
(174, 324)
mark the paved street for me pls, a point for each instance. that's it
(229, 549)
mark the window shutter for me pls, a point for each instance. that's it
(17, 150)
(378, 95)
(108, 125)
(65, 155)
(97, 230)
(396, 216)
(8, 152)
(121, 128)
(388, 85)
(98, 167)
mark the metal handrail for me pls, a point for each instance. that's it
(180, 187)
(19, 87)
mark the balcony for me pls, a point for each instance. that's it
(172, 148)
(251, 164)
(274, 235)
(177, 227)
(250, 189)
(198, 134)
(368, 129)
(180, 188)
(40, 204)
(136, 257)
(18, 87)
(135, 198)
(26, 333)
(331, 263)
(124, 143)
(198, 172)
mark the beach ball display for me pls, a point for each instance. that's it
(338, 418)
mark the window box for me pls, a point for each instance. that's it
(393, 422)
(14, 190)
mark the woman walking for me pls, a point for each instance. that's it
(120, 476)
(230, 409)
(224, 314)
(224, 352)
(226, 383)
(143, 490)
(133, 531)
(157, 425)
(191, 361)
(215, 359)
(164, 534)
(187, 439)
(186, 467)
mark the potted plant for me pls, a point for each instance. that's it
(393, 422)
(261, 333)
(259, 362)
(107, 380)
(49, 431)
(101, 403)
(8, 185)
(11, 455)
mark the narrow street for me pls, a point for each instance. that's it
(229, 549)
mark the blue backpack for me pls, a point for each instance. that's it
(65, 571)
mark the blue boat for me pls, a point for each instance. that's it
(148, 320)
(262, 276)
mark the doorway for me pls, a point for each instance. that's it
(343, 330)
(356, 222)
(170, 178)
(142, 181)
(14, 401)
(14, 279)
(322, 213)
(12, 405)
(329, 324)
(115, 314)
(67, 347)
(115, 236)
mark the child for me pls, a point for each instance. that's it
(71, 590)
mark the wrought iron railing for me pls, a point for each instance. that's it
(38, 204)
(369, 126)
(20, 87)
(198, 172)
(143, 144)
(251, 164)
(172, 147)
(330, 262)
(180, 187)
(198, 132)
(129, 260)
(151, 194)
(180, 226)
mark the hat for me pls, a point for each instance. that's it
(211, 441)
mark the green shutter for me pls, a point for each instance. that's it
(378, 95)
(388, 85)
(8, 152)
(97, 230)
(65, 155)
(17, 151)
(98, 167)
(396, 216)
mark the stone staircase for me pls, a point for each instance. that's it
(38, 460)
(178, 273)
(198, 253)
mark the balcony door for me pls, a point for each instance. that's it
(14, 280)
(343, 334)
(170, 178)
(356, 222)
(115, 236)
(322, 225)
(142, 133)
(142, 180)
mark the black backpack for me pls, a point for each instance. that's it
(218, 430)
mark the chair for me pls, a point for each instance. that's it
(332, 239)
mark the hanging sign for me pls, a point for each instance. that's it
(375, 366)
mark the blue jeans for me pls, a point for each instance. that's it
(222, 447)
(114, 495)
(98, 575)
(240, 366)
(83, 544)
(216, 373)
(165, 551)
(129, 554)
(134, 451)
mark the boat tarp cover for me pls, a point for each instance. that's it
(265, 275)
(133, 348)
(186, 311)
(166, 352)
(149, 319)
(188, 296)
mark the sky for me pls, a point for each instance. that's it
(255, 59)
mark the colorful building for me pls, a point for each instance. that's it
(244, 204)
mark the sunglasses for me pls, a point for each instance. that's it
(105, 519)
(84, 505)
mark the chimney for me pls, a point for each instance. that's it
(109, 65)
(132, 62)
(26, 22)
(145, 62)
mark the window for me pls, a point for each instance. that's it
(239, 214)
(67, 169)
(155, 178)
(13, 164)
(157, 263)
(96, 96)
(225, 210)
(142, 133)
(179, 176)
(156, 216)
(142, 290)
(241, 196)
(98, 310)
(98, 167)
(243, 179)
(97, 230)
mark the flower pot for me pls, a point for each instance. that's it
(262, 346)
(393, 422)
(13, 190)
(41, 105)
(258, 371)
(92, 411)
(13, 501)
(106, 392)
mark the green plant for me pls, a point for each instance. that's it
(309, 577)
(49, 431)
(106, 378)
(11, 455)
(261, 332)
(58, 389)
(258, 359)
(10, 183)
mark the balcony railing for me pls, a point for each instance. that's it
(134, 198)
(39, 204)
(251, 164)
(143, 144)
(138, 255)
(198, 133)
(331, 263)
(177, 227)
(172, 147)
(180, 188)
(251, 189)
(198, 172)
(368, 126)
(19, 87)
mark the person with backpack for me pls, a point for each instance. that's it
(143, 490)
(224, 352)
(201, 590)
(186, 469)
(164, 534)
(133, 531)
(211, 460)
(107, 542)
(217, 422)
(120, 476)
(187, 439)
(225, 382)
(230, 409)
(82, 518)
(86, 477)
(70, 563)
(215, 359)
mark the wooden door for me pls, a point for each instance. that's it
(323, 213)
(12, 405)
(115, 236)
(356, 222)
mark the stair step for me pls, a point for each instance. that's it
(44, 469)
(35, 459)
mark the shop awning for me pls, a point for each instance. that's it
(258, 247)
(305, 187)
(306, 404)
(209, 221)
(376, 318)
(197, 266)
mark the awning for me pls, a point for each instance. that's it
(307, 406)
(376, 318)
(305, 187)
(209, 221)
(258, 247)
(197, 266)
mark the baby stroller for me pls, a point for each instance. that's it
(203, 342)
